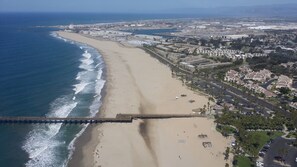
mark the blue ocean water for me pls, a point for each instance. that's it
(44, 75)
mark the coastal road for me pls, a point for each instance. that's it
(249, 101)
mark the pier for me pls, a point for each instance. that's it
(120, 118)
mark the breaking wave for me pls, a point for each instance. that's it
(45, 144)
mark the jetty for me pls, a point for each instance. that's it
(120, 118)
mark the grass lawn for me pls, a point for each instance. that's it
(292, 135)
(243, 161)
(263, 137)
(226, 130)
(273, 100)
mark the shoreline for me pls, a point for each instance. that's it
(88, 135)
(146, 143)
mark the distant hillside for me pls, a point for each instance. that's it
(286, 10)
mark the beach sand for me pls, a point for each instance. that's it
(138, 83)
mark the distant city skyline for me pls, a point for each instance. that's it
(125, 6)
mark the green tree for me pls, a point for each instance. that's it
(294, 99)
(227, 153)
(284, 91)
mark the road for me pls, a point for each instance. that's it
(226, 92)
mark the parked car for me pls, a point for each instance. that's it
(270, 141)
(264, 150)
(261, 154)
(267, 146)
(279, 158)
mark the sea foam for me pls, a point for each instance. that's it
(41, 141)
(44, 143)
(79, 87)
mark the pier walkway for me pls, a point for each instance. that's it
(120, 118)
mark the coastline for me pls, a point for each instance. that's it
(144, 143)
(88, 140)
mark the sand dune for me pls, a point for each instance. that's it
(138, 83)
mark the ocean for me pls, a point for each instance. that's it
(42, 74)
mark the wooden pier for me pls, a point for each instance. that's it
(120, 118)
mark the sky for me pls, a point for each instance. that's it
(124, 6)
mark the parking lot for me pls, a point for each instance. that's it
(280, 148)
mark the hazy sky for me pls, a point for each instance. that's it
(123, 5)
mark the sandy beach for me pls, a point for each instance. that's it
(138, 83)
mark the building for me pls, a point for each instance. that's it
(284, 82)
(231, 76)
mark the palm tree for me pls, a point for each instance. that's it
(211, 99)
(182, 78)
(196, 71)
(192, 83)
(208, 103)
(178, 62)
(204, 108)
